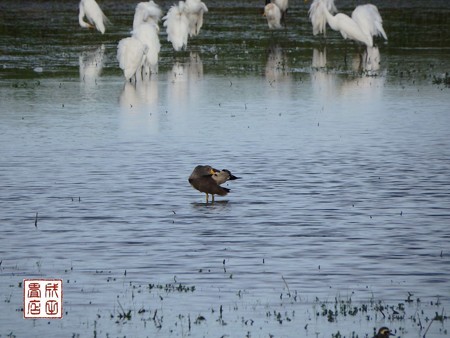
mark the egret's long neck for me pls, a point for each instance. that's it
(137, 20)
(81, 16)
(330, 18)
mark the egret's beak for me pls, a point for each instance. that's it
(213, 171)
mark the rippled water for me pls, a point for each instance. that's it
(345, 189)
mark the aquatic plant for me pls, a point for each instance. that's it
(443, 79)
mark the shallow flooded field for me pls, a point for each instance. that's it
(338, 225)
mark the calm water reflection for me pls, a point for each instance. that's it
(345, 187)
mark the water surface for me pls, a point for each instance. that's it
(345, 175)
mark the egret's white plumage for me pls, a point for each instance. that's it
(365, 22)
(369, 20)
(283, 5)
(340, 22)
(147, 34)
(130, 54)
(146, 12)
(317, 17)
(93, 13)
(273, 15)
(177, 26)
(138, 54)
(194, 10)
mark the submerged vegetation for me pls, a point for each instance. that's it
(283, 317)
(443, 79)
(152, 309)
(256, 315)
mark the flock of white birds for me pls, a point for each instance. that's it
(138, 54)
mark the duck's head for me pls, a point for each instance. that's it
(384, 332)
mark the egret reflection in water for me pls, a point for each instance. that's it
(323, 81)
(140, 96)
(367, 62)
(319, 59)
(183, 78)
(139, 105)
(363, 78)
(277, 64)
(91, 64)
(371, 60)
(364, 84)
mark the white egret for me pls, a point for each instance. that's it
(195, 10)
(348, 28)
(93, 13)
(273, 15)
(366, 17)
(130, 54)
(147, 34)
(146, 30)
(138, 54)
(177, 26)
(369, 20)
(283, 5)
(317, 17)
(146, 12)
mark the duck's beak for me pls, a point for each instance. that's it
(232, 177)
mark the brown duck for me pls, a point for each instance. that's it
(206, 179)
